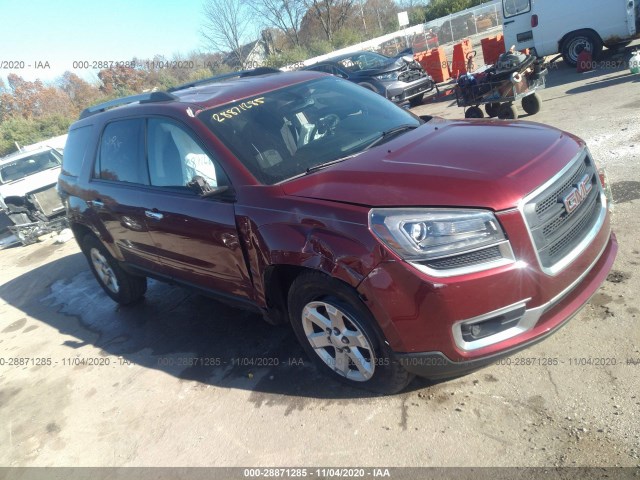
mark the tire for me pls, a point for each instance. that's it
(532, 104)
(492, 109)
(416, 101)
(473, 112)
(345, 345)
(124, 288)
(571, 43)
(508, 112)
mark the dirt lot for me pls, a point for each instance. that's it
(141, 404)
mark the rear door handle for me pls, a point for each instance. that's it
(508, 22)
(96, 203)
(153, 215)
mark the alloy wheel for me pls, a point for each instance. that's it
(339, 341)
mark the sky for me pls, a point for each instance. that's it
(61, 32)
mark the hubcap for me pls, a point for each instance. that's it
(339, 341)
(104, 271)
(575, 43)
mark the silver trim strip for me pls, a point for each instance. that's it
(581, 247)
(527, 321)
(508, 257)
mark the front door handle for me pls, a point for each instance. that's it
(153, 215)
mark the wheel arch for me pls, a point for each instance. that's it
(568, 35)
(80, 231)
(292, 250)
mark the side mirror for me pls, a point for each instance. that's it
(199, 185)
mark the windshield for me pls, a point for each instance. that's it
(363, 61)
(26, 166)
(286, 132)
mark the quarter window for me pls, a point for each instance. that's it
(516, 7)
(75, 150)
(122, 152)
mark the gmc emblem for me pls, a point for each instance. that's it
(578, 194)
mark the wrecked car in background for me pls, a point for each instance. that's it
(29, 202)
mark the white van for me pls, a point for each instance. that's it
(561, 26)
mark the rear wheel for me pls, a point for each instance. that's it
(508, 112)
(492, 109)
(532, 104)
(571, 44)
(473, 112)
(336, 331)
(121, 286)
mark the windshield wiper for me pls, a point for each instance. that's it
(390, 133)
(384, 135)
(320, 166)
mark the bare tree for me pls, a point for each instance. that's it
(382, 14)
(332, 14)
(225, 27)
(285, 15)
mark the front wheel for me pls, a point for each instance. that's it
(473, 112)
(336, 331)
(121, 286)
(416, 101)
(532, 104)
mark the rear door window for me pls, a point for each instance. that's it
(121, 156)
(175, 157)
(516, 7)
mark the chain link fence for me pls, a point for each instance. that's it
(478, 21)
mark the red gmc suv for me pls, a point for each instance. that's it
(395, 245)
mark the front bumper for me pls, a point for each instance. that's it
(436, 365)
(399, 92)
(419, 316)
(551, 317)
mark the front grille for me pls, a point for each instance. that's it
(466, 259)
(551, 199)
(411, 75)
(556, 231)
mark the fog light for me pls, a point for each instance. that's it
(491, 326)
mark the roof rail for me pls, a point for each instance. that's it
(226, 76)
(150, 97)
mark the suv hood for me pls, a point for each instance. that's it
(39, 180)
(465, 163)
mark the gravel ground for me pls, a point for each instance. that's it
(141, 404)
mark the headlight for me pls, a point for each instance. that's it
(421, 235)
(388, 76)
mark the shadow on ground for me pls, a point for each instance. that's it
(174, 330)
